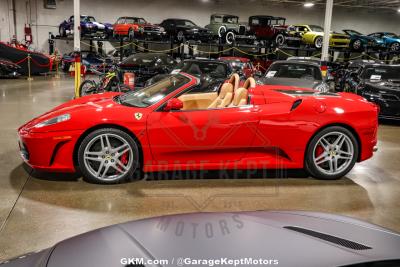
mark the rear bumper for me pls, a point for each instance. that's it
(49, 152)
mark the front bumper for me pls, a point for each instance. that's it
(50, 151)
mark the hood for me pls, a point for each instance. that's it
(384, 84)
(311, 239)
(84, 105)
(302, 83)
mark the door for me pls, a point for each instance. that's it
(196, 136)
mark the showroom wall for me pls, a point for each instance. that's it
(198, 10)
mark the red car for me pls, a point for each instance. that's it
(240, 65)
(136, 27)
(111, 137)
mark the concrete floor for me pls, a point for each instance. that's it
(37, 212)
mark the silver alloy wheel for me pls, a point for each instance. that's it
(102, 157)
(318, 42)
(336, 155)
(395, 47)
(357, 44)
(180, 36)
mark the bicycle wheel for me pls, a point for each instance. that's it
(88, 87)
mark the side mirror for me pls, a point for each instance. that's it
(173, 104)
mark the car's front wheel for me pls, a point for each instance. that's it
(108, 156)
(331, 153)
(318, 41)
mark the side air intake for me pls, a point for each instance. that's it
(329, 238)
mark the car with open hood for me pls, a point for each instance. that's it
(114, 137)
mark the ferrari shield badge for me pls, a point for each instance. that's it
(138, 115)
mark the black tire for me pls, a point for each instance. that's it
(87, 87)
(357, 45)
(279, 40)
(315, 171)
(318, 42)
(230, 37)
(180, 36)
(133, 173)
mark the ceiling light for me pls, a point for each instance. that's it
(398, 10)
(308, 4)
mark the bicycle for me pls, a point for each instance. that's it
(108, 82)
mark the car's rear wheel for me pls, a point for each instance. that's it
(108, 156)
(331, 153)
(318, 42)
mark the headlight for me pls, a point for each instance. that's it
(54, 120)
(162, 29)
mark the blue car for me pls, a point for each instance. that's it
(359, 41)
(91, 60)
(390, 40)
(89, 27)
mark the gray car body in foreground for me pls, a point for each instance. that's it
(273, 235)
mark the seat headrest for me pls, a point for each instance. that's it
(234, 80)
(249, 83)
(225, 89)
(240, 97)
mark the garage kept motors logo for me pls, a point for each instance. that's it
(138, 115)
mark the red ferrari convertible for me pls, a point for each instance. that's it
(171, 126)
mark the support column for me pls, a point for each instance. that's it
(327, 30)
(77, 45)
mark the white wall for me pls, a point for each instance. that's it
(47, 20)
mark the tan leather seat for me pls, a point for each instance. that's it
(240, 98)
(225, 95)
(241, 94)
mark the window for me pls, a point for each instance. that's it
(294, 71)
(153, 93)
(381, 73)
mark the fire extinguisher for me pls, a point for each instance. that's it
(129, 79)
(28, 34)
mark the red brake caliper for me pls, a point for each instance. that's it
(319, 151)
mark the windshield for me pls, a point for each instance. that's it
(381, 73)
(316, 28)
(353, 32)
(153, 93)
(392, 35)
(296, 71)
(185, 23)
(148, 59)
(215, 70)
(90, 19)
(231, 19)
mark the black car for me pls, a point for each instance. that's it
(146, 65)
(212, 72)
(380, 84)
(184, 29)
(8, 69)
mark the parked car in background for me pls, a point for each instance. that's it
(272, 29)
(184, 29)
(313, 35)
(146, 65)
(91, 60)
(214, 71)
(8, 69)
(136, 27)
(390, 40)
(240, 65)
(299, 73)
(228, 28)
(89, 27)
(359, 41)
(380, 84)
